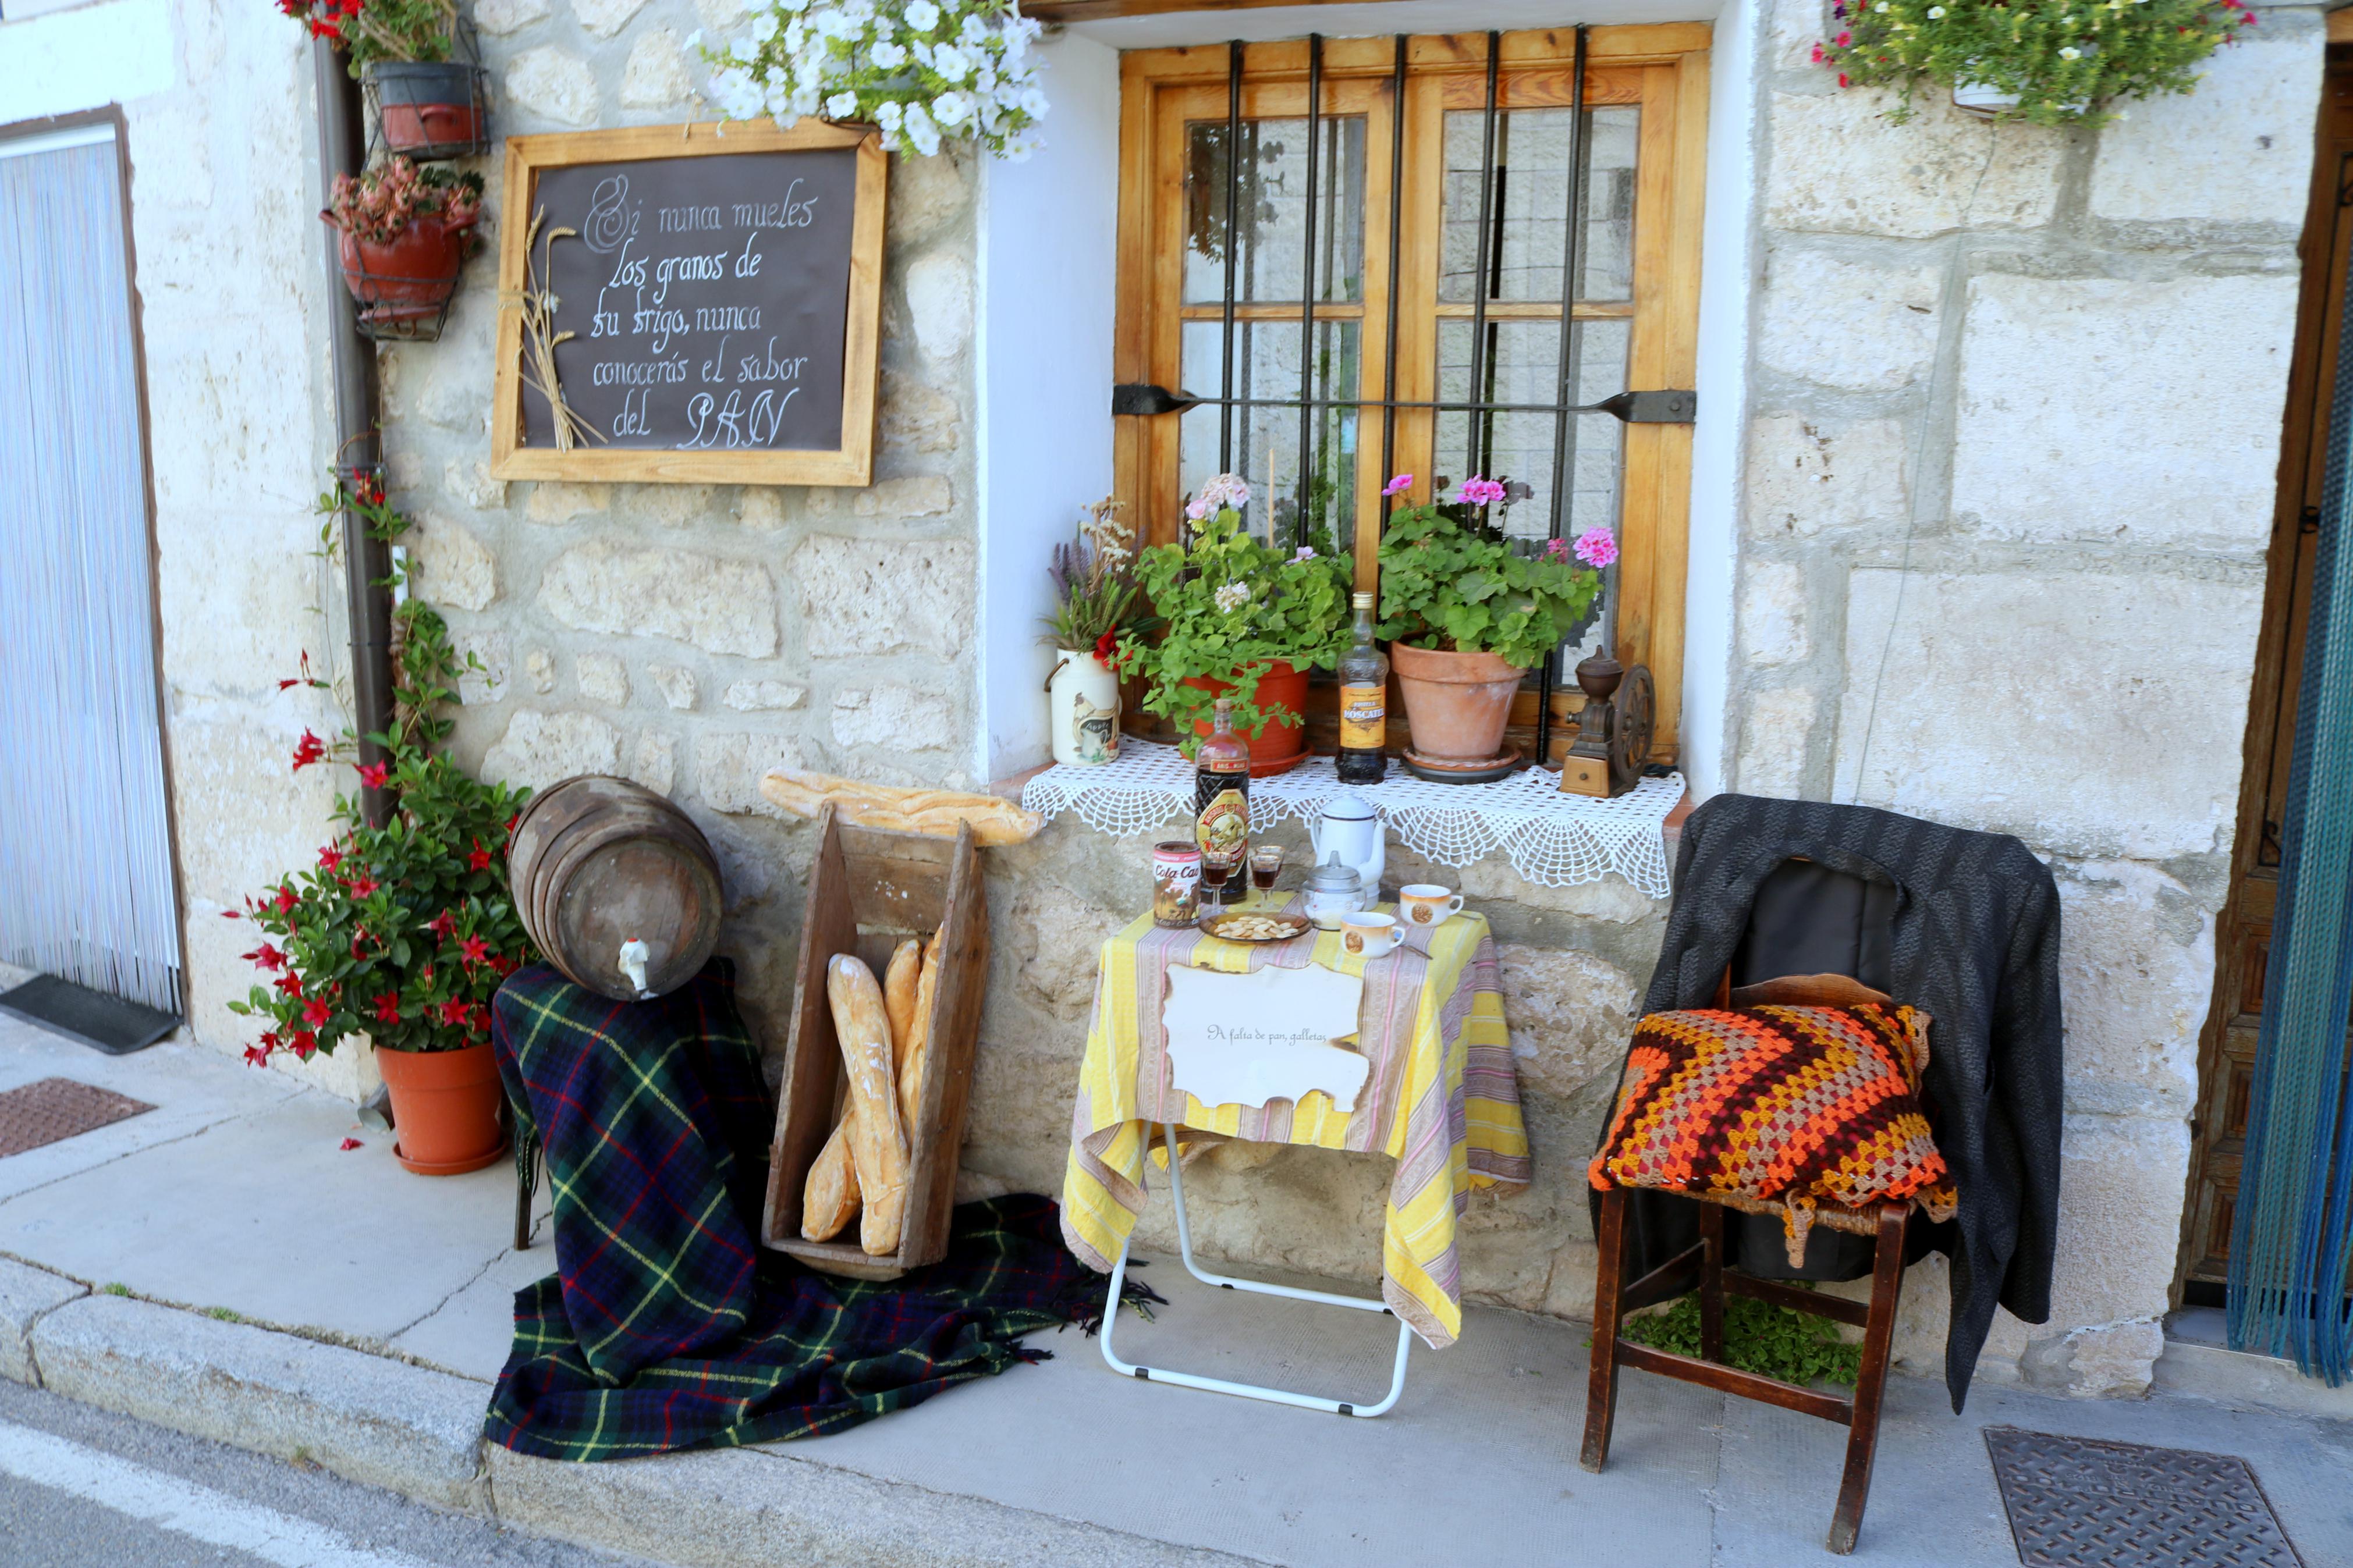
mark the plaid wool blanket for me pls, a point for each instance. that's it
(666, 1325)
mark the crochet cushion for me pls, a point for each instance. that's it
(1810, 1112)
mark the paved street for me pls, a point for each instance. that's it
(83, 1488)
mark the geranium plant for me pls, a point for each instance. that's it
(923, 70)
(1453, 583)
(2062, 60)
(400, 932)
(1232, 608)
(369, 30)
(377, 205)
(1095, 590)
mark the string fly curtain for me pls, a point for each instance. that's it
(2291, 1238)
(86, 883)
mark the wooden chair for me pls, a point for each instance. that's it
(1702, 1266)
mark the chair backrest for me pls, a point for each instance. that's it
(1812, 918)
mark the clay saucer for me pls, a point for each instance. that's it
(1454, 769)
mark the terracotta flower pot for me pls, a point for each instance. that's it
(1273, 748)
(428, 110)
(1457, 703)
(445, 1109)
(413, 275)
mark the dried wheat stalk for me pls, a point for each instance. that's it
(538, 304)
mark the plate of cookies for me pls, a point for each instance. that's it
(1253, 925)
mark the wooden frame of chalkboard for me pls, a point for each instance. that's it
(664, 288)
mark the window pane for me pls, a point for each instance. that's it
(1266, 440)
(1523, 366)
(1530, 201)
(1268, 263)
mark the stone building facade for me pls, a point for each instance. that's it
(1989, 427)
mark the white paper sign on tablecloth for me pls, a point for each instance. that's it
(1244, 1039)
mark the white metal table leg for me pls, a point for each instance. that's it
(1221, 1385)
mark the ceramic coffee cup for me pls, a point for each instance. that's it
(1427, 904)
(1373, 935)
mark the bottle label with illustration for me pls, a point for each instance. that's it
(1223, 824)
(1364, 714)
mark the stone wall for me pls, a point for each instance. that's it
(2016, 398)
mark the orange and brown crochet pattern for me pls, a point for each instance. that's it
(1807, 1113)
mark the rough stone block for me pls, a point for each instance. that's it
(718, 16)
(768, 509)
(676, 683)
(919, 418)
(602, 678)
(921, 495)
(898, 717)
(926, 194)
(2069, 707)
(539, 668)
(672, 506)
(499, 18)
(493, 651)
(657, 71)
(761, 695)
(939, 303)
(868, 596)
(245, 816)
(470, 481)
(655, 762)
(538, 749)
(554, 84)
(27, 1295)
(1059, 931)
(556, 500)
(1570, 1014)
(1773, 613)
(453, 568)
(603, 18)
(2071, 425)
(1808, 474)
(373, 1420)
(2135, 973)
(1856, 327)
(2239, 149)
(728, 767)
(718, 604)
(1775, 729)
(1836, 165)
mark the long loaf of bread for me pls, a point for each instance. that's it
(898, 982)
(917, 1042)
(877, 1142)
(937, 811)
(829, 1197)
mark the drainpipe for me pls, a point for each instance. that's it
(367, 562)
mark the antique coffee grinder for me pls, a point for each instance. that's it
(1613, 734)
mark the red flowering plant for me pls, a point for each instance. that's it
(400, 932)
(382, 201)
(369, 30)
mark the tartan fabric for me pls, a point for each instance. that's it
(1784, 1109)
(666, 1326)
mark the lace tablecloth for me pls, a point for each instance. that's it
(1552, 839)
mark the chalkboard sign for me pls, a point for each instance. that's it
(723, 294)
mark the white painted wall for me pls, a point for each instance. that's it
(1048, 271)
(84, 58)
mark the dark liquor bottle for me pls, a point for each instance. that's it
(1364, 672)
(1222, 807)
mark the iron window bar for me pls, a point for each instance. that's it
(1632, 407)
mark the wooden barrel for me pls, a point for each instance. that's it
(596, 863)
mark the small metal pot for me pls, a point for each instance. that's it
(1332, 893)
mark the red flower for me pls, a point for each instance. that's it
(286, 901)
(305, 1043)
(475, 949)
(372, 775)
(1842, 40)
(1842, 81)
(388, 1008)
(512, 820)
(257, 1056)
(231, 915)
(480, 861)
(264, 957)
(453, 1011)
(315, 1011)
(442, 924)
(308, 750)
(329, 857)
(363, 884)
(348, 1144)
(290, 983)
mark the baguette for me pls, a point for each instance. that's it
(877, 1144)
(918, 1037)
(899, 995)
(936, 812)
(829, 1196)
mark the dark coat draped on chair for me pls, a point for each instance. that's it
(1973, 939)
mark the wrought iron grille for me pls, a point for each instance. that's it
(1480, 407)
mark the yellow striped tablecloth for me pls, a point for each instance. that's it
(1442, 1098)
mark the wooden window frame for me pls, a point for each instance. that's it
(1663, 68)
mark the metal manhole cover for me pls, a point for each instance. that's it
(2075, 1502)
(56, 1108)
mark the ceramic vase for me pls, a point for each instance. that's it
(1273, 748)
(445, 1109)
(1458, 704)
(1083, 710)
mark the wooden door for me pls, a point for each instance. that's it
(2243, 942)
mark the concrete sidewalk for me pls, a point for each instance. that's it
(222, 1267)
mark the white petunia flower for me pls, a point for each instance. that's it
(920, 15)
(841, 105)
(890, 54)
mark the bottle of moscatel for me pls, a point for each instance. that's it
(1222, 807)
(1364, 672)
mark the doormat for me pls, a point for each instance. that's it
(110, 1023)
(57, 1108)
(2074, 1502)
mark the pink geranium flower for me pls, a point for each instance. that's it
(1398, 486)
(1597, 547)
(1479, 491)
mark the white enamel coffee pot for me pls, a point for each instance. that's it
(1351, 828)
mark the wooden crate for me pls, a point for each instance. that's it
(870, 888)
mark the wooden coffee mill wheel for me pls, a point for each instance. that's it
(1614, 732)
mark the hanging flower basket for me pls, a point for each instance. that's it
(405, 234)
(428, 110)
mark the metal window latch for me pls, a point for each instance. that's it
(1652, 407)
(1142, 397)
